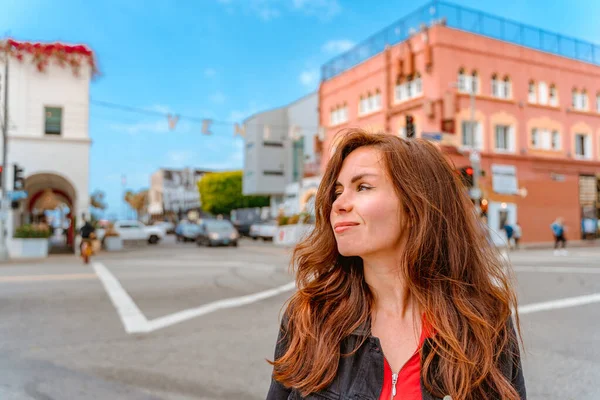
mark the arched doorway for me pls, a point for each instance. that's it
(52, 199)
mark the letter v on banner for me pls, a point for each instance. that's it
(172, 121)
(239, 130)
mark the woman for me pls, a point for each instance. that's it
(399, 294)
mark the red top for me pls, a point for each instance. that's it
(408, 384)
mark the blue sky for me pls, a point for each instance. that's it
(220, 59)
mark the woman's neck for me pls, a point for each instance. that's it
(383, 275)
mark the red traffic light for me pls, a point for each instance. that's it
(469, 171)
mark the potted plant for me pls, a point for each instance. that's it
(30, 241)
(112, 241)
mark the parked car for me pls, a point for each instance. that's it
(130, 230)
(187, 231)
(216, 232)
(264, 230)
(169, 227)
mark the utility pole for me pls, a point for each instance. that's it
(475, 157)
(3, 198)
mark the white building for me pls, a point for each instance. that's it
(48, 133)
(174, 191)
(279, 150)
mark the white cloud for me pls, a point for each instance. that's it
(337, 46)
(309, 77)
(210, 72)
(218, 98)
(268, 10)
(324, 9)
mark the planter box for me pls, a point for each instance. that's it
(113, 243)
(290, 235)
(27, 248)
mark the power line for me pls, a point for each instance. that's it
(167, 115)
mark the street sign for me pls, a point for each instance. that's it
(16, 195)
(432, 136)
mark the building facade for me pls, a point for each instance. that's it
(279, 150)
(174, 192)
(48, 128)
(527, 100)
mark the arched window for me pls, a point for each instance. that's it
(532, 97)
(543, 93)
(418, 84)
(462, 81)
(474, 82)
(584, 100)
(575, 98)
(495, 86)
(507, 90)
(553, 96)
(362, 105)
(377, 100)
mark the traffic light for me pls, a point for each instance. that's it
(410, 126)
(18, 178)
(466, 174)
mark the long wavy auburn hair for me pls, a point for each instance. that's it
(450, 269)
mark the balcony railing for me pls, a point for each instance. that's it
(468, 20)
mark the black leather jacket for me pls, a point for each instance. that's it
(360, 376)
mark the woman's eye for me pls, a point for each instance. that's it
(337, 194)
(362, 187)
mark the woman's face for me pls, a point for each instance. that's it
(366, 214)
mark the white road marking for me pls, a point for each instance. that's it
(184, 315)
(561, 303)
(560, 270)
(135, 321)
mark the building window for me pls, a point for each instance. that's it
(470, 134)
(543, 90)
(504, 138)
(468, 83)
(553, 96)
(580, 100)
(541, 139)
(272, 144)
(53, 120)
(339, 115)
(582, 145)
(532, 98)
(535, 138)
(501, 88)
(507, 88)
(474, 82)
(495, 86)
(409, 89)
(555, 140)
(273, 173)
(370, 104)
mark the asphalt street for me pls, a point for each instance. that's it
(177, 321)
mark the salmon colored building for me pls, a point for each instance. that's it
(526, 99)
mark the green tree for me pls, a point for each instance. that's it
(221, 192)
(97, 200)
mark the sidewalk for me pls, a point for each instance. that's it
(570, 244)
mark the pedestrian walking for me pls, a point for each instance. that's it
(518, 231)
(509, 234)
(399, 294)
(558, 230)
